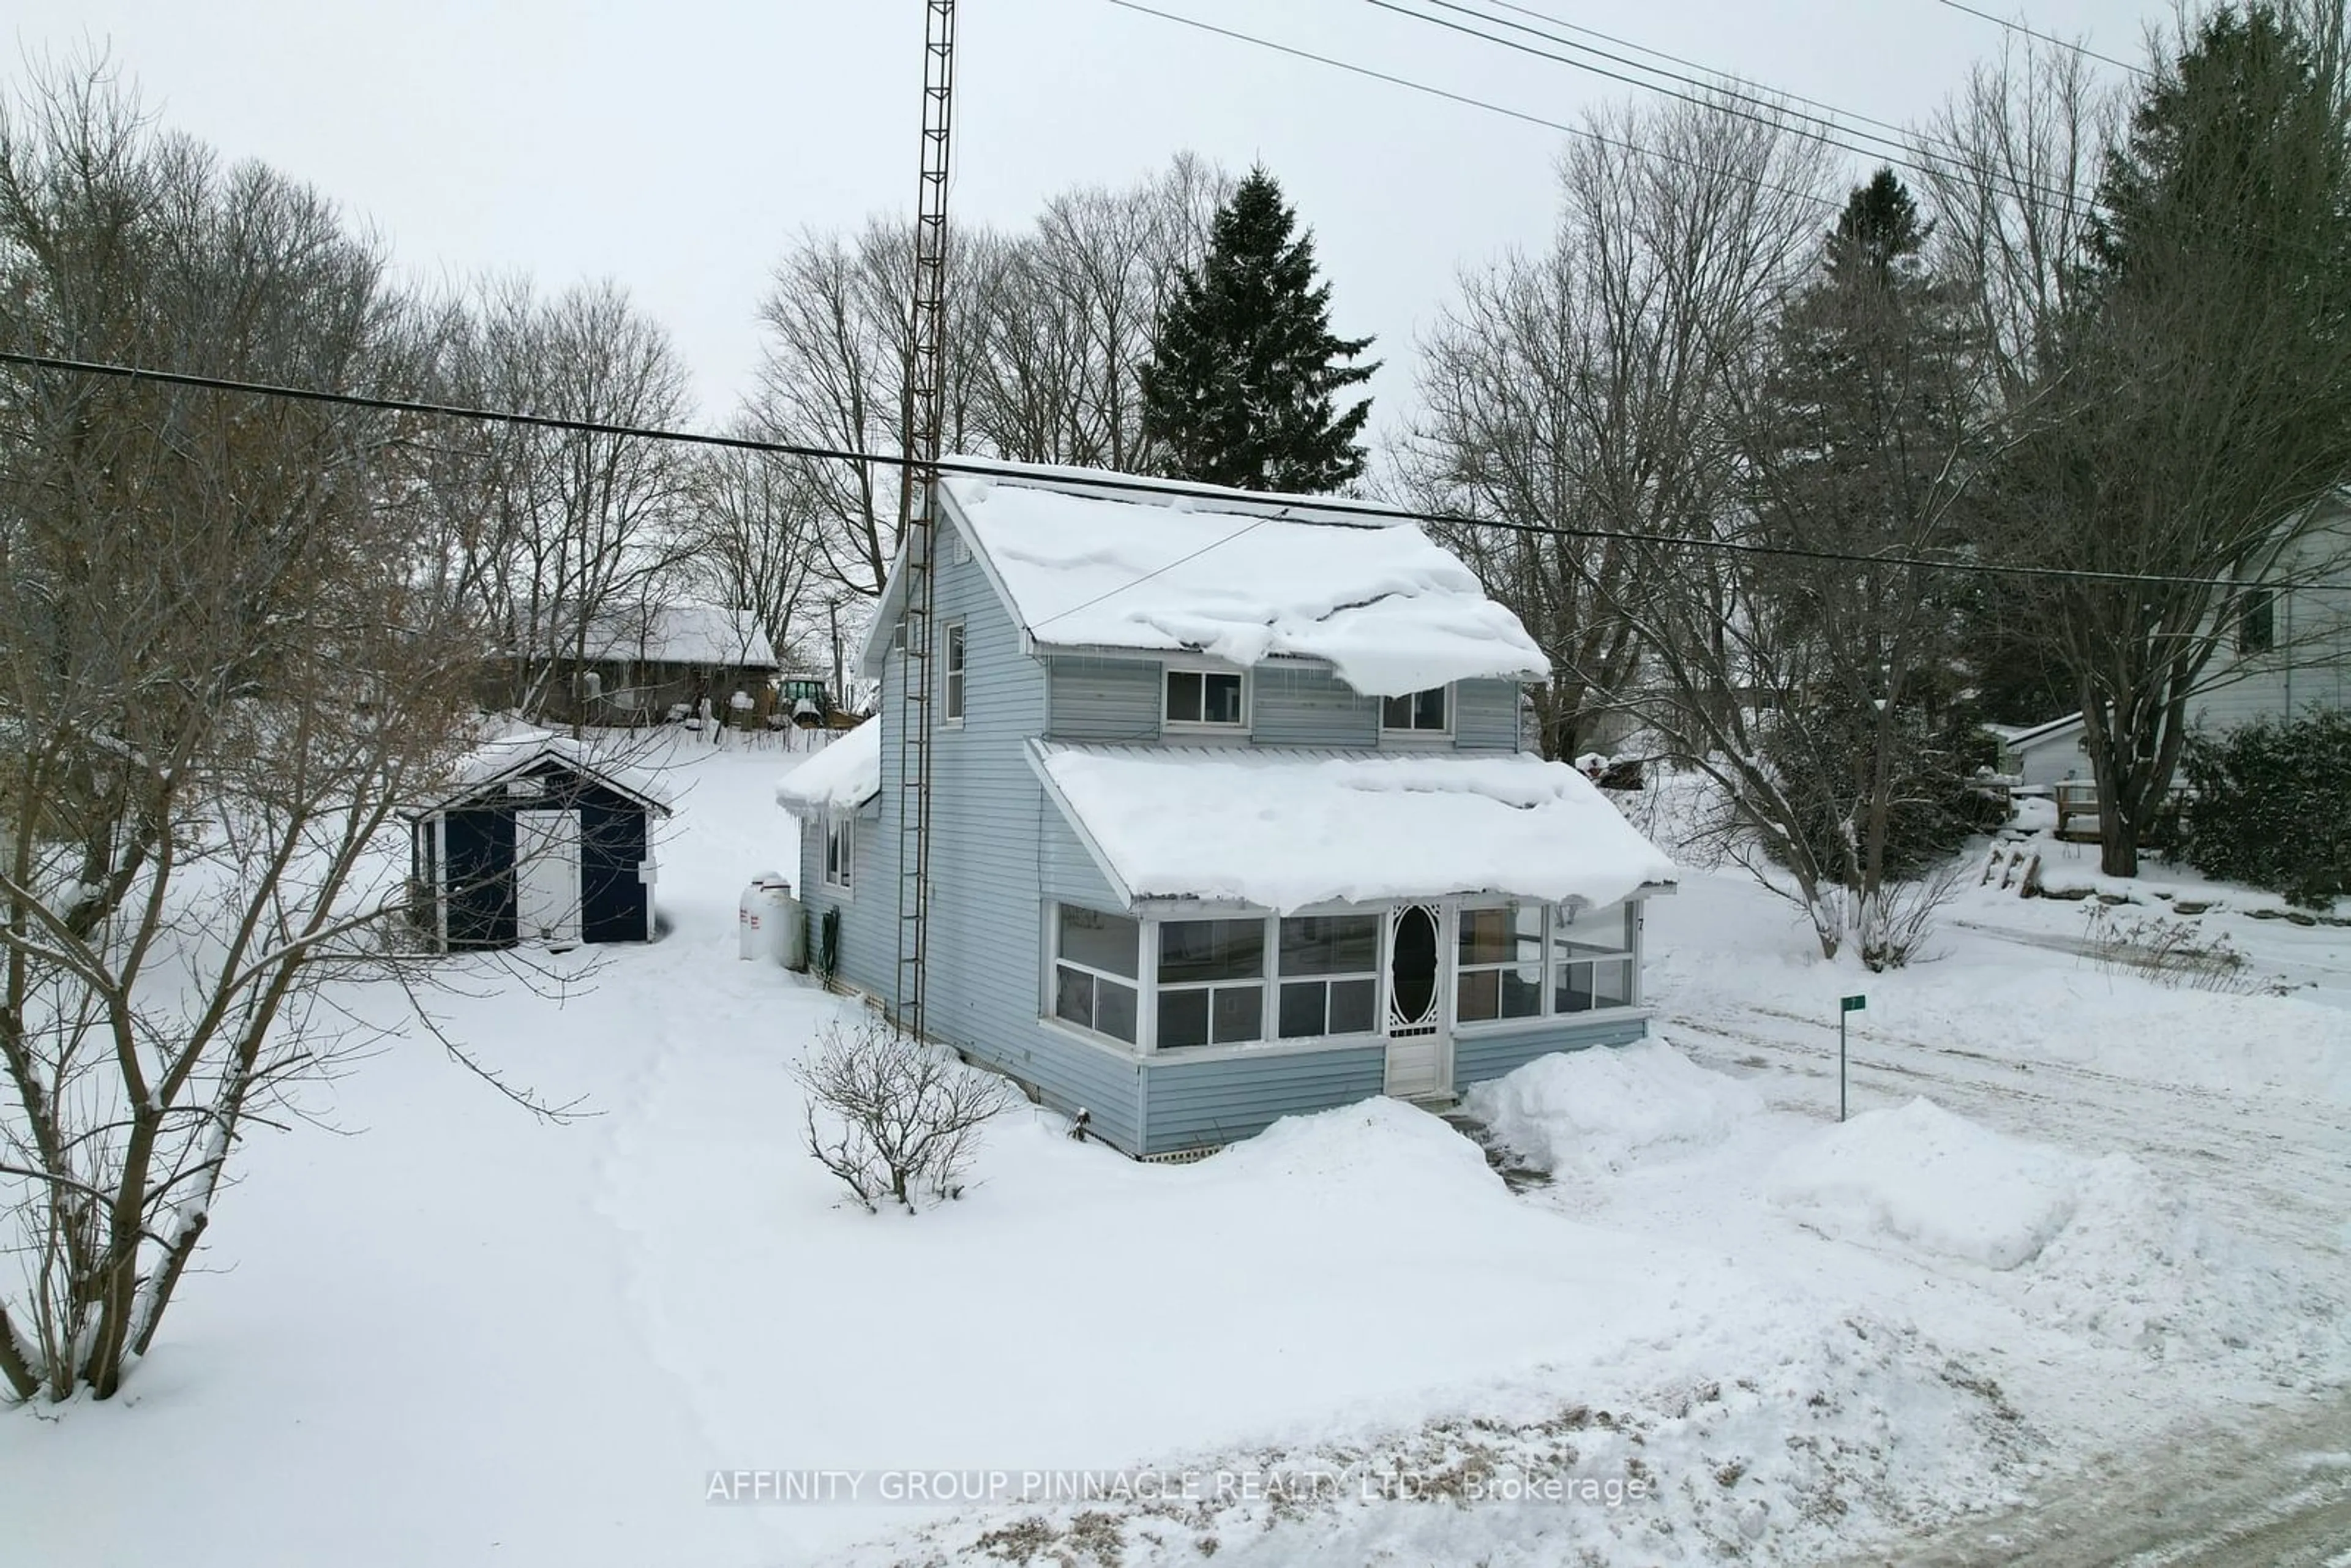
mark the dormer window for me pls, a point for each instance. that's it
(1418, 713)
(1209, 698)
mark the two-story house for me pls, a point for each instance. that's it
(1229, 816)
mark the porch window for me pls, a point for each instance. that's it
(1096, 965)
(1591, 958)
(1206, 697)
(1211, 982)
(1425, 713)
(1330, 975)
(1500, 972)
(840, 850)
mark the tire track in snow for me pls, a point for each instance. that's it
(2269, 1169)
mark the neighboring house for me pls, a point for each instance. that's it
(2288, 653)
(645, 661)
(1231, 817)
(534, 839)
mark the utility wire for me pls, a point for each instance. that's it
(1723, 83)
(1709, 95)
(1372, 514)
(1814, 197)
(2081, 50)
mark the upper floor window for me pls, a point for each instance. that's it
(2257, 622)
(1418, 713)
(1207, 698)
(951, 664)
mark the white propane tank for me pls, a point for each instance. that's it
(754, 918)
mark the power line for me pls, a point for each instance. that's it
(1721, 83)
(2081, 50)
(1707, 71)
(1371, 513)
(1709, 95)
(1814, 197)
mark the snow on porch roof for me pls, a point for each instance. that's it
(842, 778)
(1290, 830)
(1239, 576)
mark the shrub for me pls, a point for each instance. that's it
(2270, 806)
(894, 1117)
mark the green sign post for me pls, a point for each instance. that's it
(1848, 1005)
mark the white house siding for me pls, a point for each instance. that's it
(2309, 667)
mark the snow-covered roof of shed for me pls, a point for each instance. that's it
(842, 777)
(682, 634)
(520, 748)
(1290, 830)
(1098, 560)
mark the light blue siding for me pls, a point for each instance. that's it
(1485, 715)
(1192, 1104)
(1106, 701)
(868, 948)
(994, 836)
(1306, 704)
(1477, 1058)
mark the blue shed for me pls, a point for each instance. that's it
(536, 841)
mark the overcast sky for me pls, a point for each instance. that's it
(677, 146)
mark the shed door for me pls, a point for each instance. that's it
(547, 876)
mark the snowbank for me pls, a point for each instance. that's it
(1932, 1181)
(1286, 830)
(842, 777)
(1599, 1110)
(1388, 607)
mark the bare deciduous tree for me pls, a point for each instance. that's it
(1587, 387)
(223, 662)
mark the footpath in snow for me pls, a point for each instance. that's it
(1713, 1323)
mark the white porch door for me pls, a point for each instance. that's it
(1419, 1050)
(547, 876)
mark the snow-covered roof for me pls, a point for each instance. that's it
(1290, 830)
(1086, 562)
(2036, 733)
(682, 634)
(842, 778)
(522, 747)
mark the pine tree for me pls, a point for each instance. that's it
(1240, 388)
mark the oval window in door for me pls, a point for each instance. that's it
(1412, 965)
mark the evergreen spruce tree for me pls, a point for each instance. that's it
(1241, 386)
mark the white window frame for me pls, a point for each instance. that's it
(838, 861)
(1171, 668)
(955, 665)
(1391, 735)
(1263, 980)
(1544, 927)
(1278, 977)
(1139, 982)
(1555, 960)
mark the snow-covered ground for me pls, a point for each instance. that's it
(2076, 1213)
